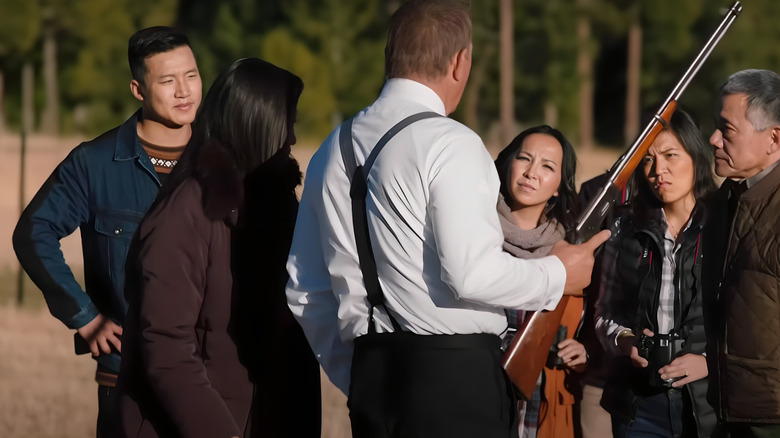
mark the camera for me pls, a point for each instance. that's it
(659, 350)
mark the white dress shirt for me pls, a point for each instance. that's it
(434, 229)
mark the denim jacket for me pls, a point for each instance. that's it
(103, 187)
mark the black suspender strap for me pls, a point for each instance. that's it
(357, 193)
(347, 149)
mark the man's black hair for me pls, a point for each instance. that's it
(148, 42)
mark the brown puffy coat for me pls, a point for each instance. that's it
(743, 311)
(207, 320)
(183, 374)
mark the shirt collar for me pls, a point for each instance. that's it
(753, 180)
(668, 235)
(407, 89)
(127, 145)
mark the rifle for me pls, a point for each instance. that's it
(525, 357)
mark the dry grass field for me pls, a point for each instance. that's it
(47, 391)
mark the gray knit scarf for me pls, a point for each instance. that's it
(527, 244)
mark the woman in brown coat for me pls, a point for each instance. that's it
(208, 336)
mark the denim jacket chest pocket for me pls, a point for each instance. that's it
(105, 256)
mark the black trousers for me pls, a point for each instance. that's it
(108, 412)
(407, 385)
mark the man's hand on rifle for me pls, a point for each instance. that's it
(578, 261)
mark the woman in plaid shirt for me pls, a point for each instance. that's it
(649, 312)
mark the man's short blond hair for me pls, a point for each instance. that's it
(424, 35)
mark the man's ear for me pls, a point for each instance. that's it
(136, 89)
(462, 64)
(774, 146)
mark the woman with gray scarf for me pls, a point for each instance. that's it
(537, 205)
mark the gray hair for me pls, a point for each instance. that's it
(762, 89)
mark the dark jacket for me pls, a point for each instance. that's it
(104, 188)
(744, 306)
(271, 344)
(637, 255)
(598, 358)
(205, 277)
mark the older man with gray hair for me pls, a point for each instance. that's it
(742, 262)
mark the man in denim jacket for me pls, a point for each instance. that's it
(104, 188)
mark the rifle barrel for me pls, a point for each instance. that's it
(590, 220)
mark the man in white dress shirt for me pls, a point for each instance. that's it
(436, 238)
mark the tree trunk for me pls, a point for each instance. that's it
(633, 69)
(585, 79)
(50, 119)
(28, 108)
(471, 97)
(506, 72)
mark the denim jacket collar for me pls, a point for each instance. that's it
(127, 145)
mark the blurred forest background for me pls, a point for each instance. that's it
(588, 67)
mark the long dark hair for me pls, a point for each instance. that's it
(566, 206)
(245, 119)
(686, 130)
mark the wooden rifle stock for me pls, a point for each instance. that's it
(527, 353)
